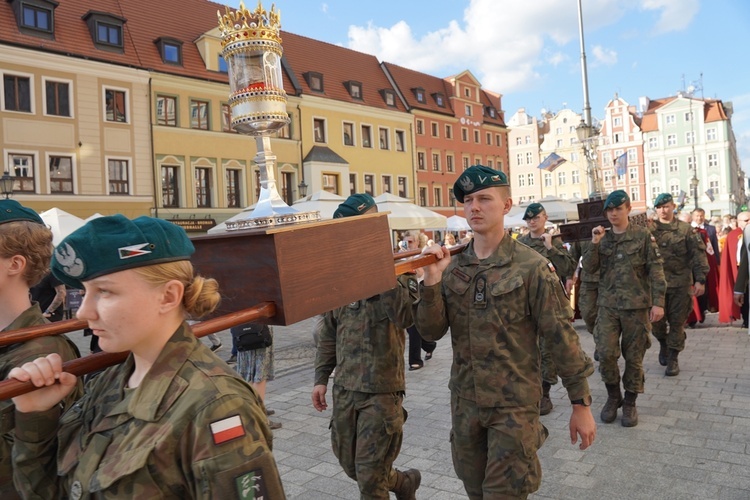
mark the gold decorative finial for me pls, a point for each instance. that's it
(245, 25)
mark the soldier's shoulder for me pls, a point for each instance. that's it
(526, 257)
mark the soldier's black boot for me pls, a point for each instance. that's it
(673, 368)
(663, 352)
(407, 483)
(629, 413)
(614, 401)
(545, 405)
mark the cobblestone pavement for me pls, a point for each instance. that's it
(691, 441)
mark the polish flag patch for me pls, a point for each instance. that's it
(133, 251)
(227, 429)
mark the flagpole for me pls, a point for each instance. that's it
(585, 130)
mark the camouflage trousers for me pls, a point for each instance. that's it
(623, 331)
(366, 434)
(549, 370)
(588, 294)
(677, 306)
(494, 449)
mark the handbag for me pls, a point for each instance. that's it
(251, 336)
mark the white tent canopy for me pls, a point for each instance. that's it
(457, 223)
(323, 201)
(61, 223)
(558, 210)
(92, 217)
(406, 215)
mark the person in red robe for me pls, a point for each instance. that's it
(712, 285)
(728, 310)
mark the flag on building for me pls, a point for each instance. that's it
(710, 194)
(552, 162)
(621, 164)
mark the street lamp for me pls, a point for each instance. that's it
(694, 185)
(587, 137)
(6, 185)
(302, 187)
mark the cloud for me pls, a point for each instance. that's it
(324, 8)
(675, 15)
(602, 56)
(509, 45)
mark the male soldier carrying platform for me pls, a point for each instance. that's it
(684, 260)
(500, 300)
(540, 240)
(364, 341)
(588, 291)
(631, 297)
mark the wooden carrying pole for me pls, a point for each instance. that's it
(95, 362)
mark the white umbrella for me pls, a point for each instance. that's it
(517, 221)
(61, 223)
(558, 210)
(457, 223)
(92, 217)
(323, 201)
(406, 215)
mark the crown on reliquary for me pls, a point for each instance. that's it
(245, 25)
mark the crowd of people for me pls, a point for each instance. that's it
(175, 421)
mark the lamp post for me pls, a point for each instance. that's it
(694, 185)
(6, 185)
(587, 138)
(302, 188)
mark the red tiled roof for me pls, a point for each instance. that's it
(649, 123)
(714, 111)
(407, 80)
(337, 65)
(493, 100)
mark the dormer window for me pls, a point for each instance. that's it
(439, 99)
(314, 81)
(491, 111)
(419, 94)
(170, 50)
(35, 17)
(389, 97)
(354, 88)
(106, 30)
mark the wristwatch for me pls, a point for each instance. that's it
(586, 401)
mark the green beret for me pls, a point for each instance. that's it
(662, 199)
(12, 211)
(476, 178)
(356, 204)
(533, 210)
(615, 199)
(110, 244)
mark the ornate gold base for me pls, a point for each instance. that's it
(273, 220)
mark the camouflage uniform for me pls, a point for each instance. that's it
(364, 341)
(631, 281)
(16, 355)
(498, 310)
(685, 262)
(565, 266)
(588, 290)
(192, 429)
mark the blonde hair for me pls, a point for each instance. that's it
(30, 240)
(201, 296)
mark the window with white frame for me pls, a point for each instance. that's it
(118, 176)
(633, 173)
(476, 136)
(467, 109)
(713, 184)
(547, 179)
(518, 141)
(420, 161)
(618, 121)
(370, 184)
(116, 105)
(558, 131)
(573, 156)
(575, 177)
(498, 140)
(521, 180)
(529, 158)
(434, 127)
(713, 159)
(711, 134)
(689, 137)
(653, 143)
(528, 139)
(199, 114)
(559, 143)
(688, 116)
(166, 110)
(401, 186)
(353, 183)
(170, 187)
(691, 163)
(387, 184)
(61, 174)
(234, 187)
(436, 162)
(449, 131)
(488, 138)
(437, 196)
(672, 140)
(17, 92)
(383, 135)
(465, 162)
(57, 98)
(530, 179)
(655, 191)
(618, 137)
(203, 187)
(449, 163)
(670, 119)
(348, 134)
(654, 165)
(519, 158)
(674, 189)
(608, 176)
(319, 130)
(606, 158)
(400, 141)
(331, 183)
(635, 193)
(420, 127)
(561, 178)
(22, 169)
(632, 155)
(673, 164)
(366, 136)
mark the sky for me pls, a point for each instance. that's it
(529, 51)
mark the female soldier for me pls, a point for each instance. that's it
(25, 252)
(172, 421)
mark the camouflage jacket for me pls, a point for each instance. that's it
(498, 309)
(564, 264)
(192, 429)
(682, 251)
(576, 252)
(630, 269)
(15, 355)
(365, 341)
